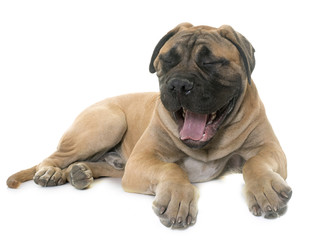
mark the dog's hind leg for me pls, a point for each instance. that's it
(98, 129)
(82, 174)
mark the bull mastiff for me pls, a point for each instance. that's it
(207, 118)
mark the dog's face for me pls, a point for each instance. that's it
(202, 73)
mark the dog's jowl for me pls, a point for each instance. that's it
(206, 118)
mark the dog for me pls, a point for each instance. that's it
(207, 118)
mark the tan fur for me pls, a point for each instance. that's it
(145, 135)
(16, 179)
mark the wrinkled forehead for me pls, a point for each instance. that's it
(192, 40)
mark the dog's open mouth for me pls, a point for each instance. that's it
(196, 129)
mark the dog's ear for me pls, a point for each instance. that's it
(163, 40)
(244, 47)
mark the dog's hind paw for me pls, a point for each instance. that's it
(49, 176)
(80, 176)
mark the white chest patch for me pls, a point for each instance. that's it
(199, 171)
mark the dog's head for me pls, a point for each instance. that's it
(202, 73)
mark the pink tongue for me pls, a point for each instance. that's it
(194, 126)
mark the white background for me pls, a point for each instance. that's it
(58, 57)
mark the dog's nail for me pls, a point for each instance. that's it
(173, 221)
(284, 195)
(162, 210)
(189, 219)
(256, 211)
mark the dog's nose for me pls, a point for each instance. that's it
(180, 85)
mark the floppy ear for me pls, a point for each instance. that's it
(244, 47)
(163, 41)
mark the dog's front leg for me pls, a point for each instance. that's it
(176, 198)
(264, 174)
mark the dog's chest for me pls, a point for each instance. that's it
(199, 171)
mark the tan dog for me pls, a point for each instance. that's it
(207, 118)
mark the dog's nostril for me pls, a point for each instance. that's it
(180, 85)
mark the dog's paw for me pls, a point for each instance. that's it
(49, 176)
(80, 176)
(268, 195)
(176, 204)
(115, 160)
